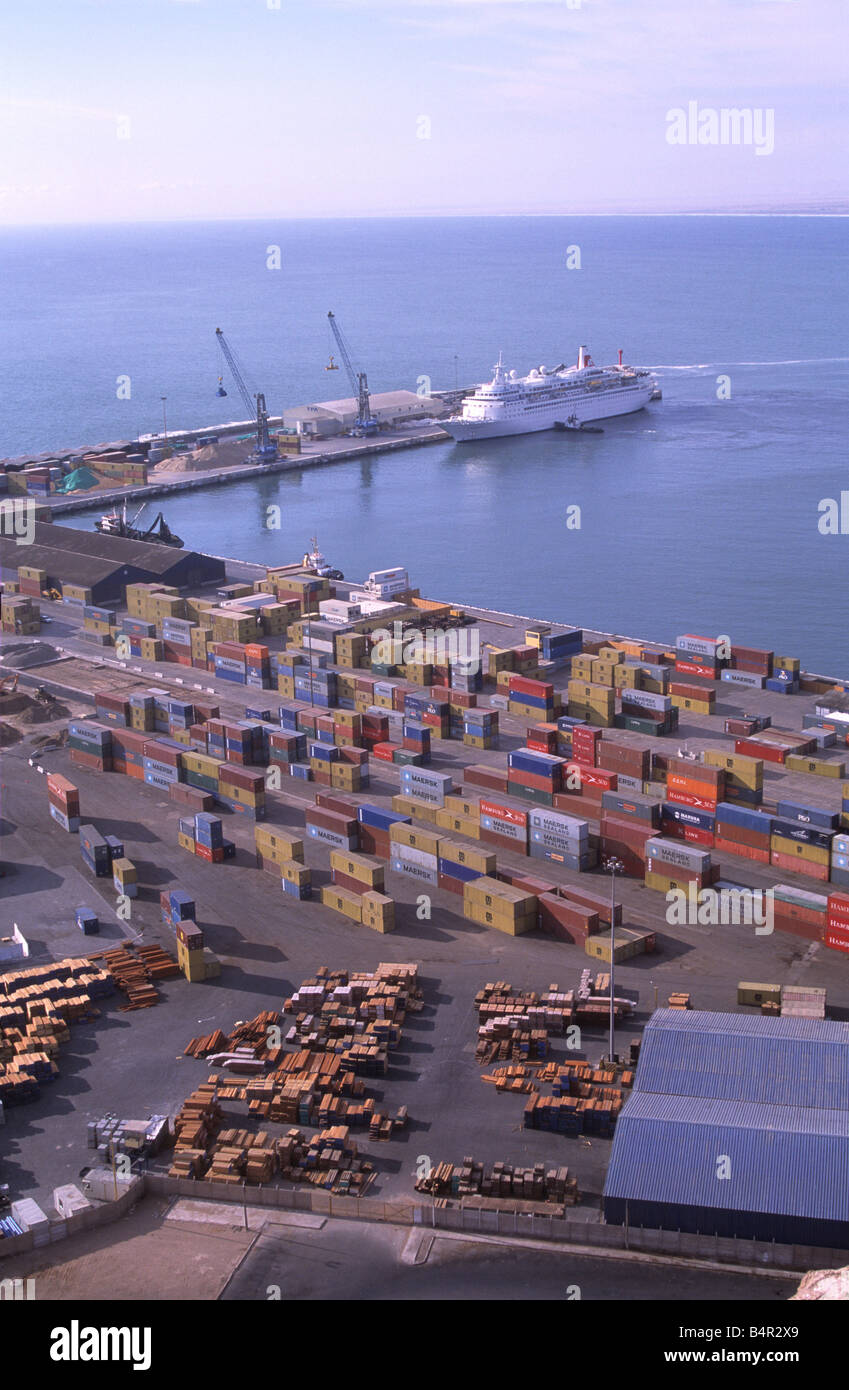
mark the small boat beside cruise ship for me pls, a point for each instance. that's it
(547, 397)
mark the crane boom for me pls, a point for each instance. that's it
(358, 380)
(264, 448)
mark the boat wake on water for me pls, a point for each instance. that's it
(706, 366)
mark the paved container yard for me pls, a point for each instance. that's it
(268, 944)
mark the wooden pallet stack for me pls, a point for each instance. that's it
(503, 1184)
(133, 969)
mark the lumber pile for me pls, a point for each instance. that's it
(36, 1007)
(503, 1181)
(133, 969)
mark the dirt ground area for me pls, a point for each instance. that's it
(226, 454)
(141, 1258)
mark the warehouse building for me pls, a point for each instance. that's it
(388, 408)
(105, 564)
(738, 1126)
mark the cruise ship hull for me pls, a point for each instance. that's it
(586, 410)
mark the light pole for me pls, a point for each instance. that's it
(613, 866)
(164, 420)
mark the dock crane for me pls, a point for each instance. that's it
(365, 424)
(265, 451)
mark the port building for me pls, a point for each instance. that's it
(327, 418)
(738, 1126)
(104, 564)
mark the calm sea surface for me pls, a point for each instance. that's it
(697, 514)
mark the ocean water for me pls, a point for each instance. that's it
(698, 514)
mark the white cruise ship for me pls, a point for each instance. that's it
(567, 396)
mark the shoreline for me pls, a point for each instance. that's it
(220, 477)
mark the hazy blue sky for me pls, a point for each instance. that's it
(127, 109)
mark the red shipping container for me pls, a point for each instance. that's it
(597, 902)
(566, 921)
(627, 830)
(527, 882)
(331, 820)
(541, 690)
(687, 691)
(492, 837)
(451, 885)
(836, 936)
(342, 805)
(513, 814)
(694, 668)
(490, 777)
(592, 776)
(347, 881)
(90, 760)
(741, 835)
(792, 865)
(534, 781)
(324, 779)
(357, 756)
(706, 801)
(757, 856)
(464, 699)
(770, 752)
(383, 751)
(587, 807)
(838, 907)
(244, 777)
(373, 841)
(794, 927)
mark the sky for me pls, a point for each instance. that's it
(128, 110)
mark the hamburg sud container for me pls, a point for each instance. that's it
(503, 825)
(697, 656)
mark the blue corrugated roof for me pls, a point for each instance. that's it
(774, 1061)
(781, 1159)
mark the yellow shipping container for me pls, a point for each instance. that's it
(342, 900)
(293, 872)
(378, 911)
(186, 841)
(820, 767)
(463, 806)
(365, 868)
(460, 825)
(756, 994)
(270, 840)
(808, 854)
(489, 917)
(481, 860)
(412, 835)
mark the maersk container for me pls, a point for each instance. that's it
(677, 854)
(747, 678)
(647, 699)
(505, 828)
(415, 871)
(556, 823)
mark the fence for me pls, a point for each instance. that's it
(468, 1218)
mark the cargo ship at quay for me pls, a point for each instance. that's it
(273, 786)
(551, 397)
